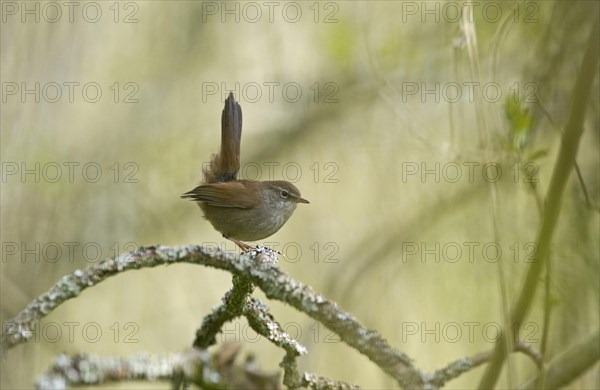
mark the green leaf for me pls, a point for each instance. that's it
(519, 123)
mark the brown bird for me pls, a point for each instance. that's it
(242, 210)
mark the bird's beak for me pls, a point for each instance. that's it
(301, 200)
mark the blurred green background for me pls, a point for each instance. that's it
(356, 102)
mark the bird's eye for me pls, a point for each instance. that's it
(284, 194)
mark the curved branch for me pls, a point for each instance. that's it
(275, 284)
(460, 366)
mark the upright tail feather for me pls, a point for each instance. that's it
(225, 165)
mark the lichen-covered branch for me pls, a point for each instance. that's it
(275, 283)
(278, 285)
(232, 307)
(248, 269)
(237, 302)
(318, 382)
(193, 366)
(265, 325)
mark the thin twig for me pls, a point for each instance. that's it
(460, 366)
(570, 364)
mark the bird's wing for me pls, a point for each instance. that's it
(227, 194)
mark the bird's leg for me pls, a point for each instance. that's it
(245, 247)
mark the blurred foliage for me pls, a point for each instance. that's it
(519, 123)
(355, 131)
